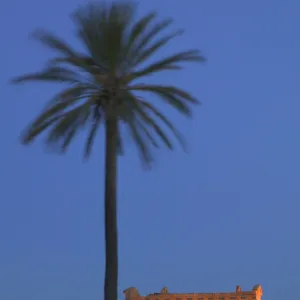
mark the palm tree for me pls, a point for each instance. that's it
(102, 89)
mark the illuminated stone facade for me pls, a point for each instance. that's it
(255, 294)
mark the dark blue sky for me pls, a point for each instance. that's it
(225, 214)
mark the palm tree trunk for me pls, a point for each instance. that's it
(111, 234)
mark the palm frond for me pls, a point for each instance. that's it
(67, 54)
(140, 46)
(131, 39)
(56, 110)
(55, 74)
(59, 109)
(148, 134)
(92, 134)
(67, 127)
(177, 98)
(117, 49)
(144, 130)
(139, 28)
(53, 42)
(144, 54)
(147, 119)
(137, 129)
(78, 91)
(136, 34)
(140, 141)
(101, 29)
(167, 89)
(120, 146)
(170, 63)
(90, 32)
(48, 119)
(84, 63)
(34, 130)
(147, 106)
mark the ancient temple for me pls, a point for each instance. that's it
(254, 294)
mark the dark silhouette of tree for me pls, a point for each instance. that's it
(102, 87)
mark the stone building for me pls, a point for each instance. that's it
(254, 294)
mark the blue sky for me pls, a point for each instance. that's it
(225, 214)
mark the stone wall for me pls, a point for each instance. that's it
(254, 294)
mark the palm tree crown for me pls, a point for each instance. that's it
(105, 76)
